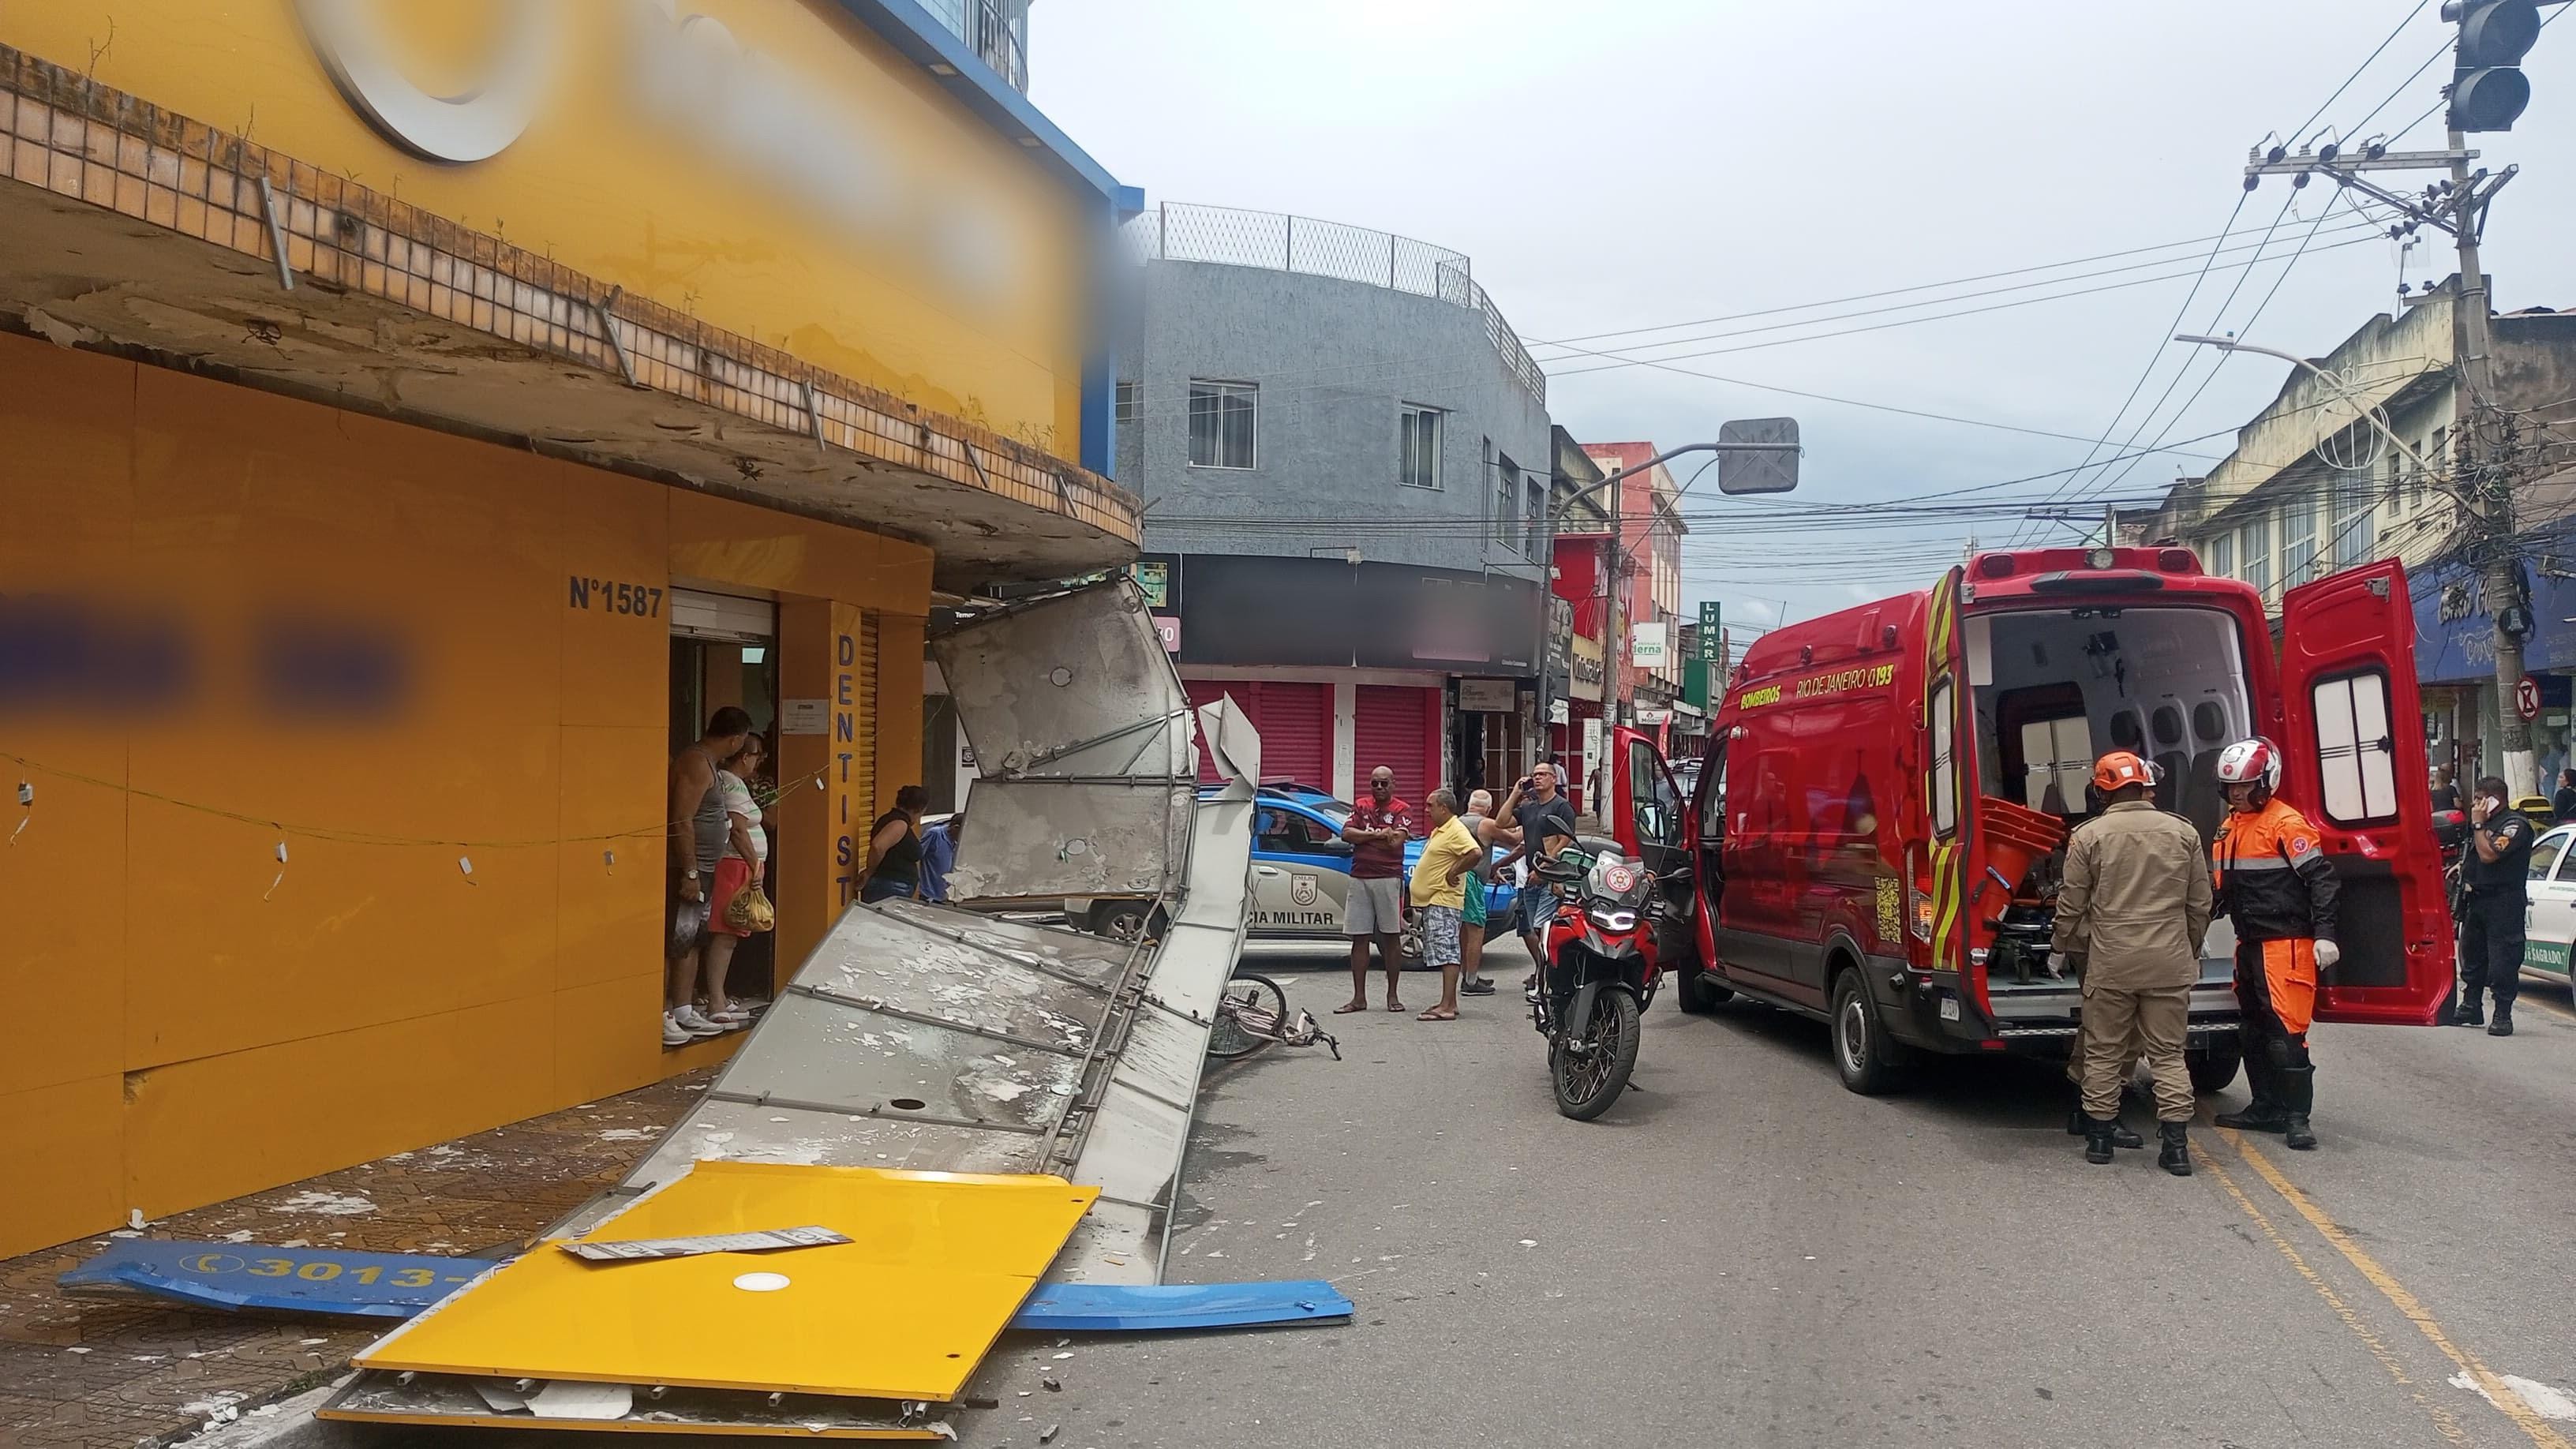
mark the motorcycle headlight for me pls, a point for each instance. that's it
(1620, 920)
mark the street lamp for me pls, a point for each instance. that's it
(2369, 415)
(1739, 440)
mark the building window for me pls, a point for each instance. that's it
(2254, 544)
(2436, 450)
(2298, 543)
(1130, 395)
(2356, 524)
(1224, 424)
(2221, 555)
(1507, 498)
(1417, 447)
(1535, 516)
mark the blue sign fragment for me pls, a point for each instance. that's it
(341, 1283)
(237, 1276)
(1145, 1308)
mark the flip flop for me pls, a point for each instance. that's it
(1436, 1014)
(1347, 1007)
(1397, 1006)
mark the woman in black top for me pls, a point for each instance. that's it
(894, 848)
(2564, 804)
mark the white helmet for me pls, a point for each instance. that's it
(2255, 762)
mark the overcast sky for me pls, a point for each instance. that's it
(1627, 165)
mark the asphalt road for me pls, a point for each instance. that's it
(1743, 1253)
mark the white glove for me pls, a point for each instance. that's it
(2056, 963)
(2328, 953)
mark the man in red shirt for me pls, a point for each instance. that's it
(1377, 831)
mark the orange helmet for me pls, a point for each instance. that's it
(2120, 769)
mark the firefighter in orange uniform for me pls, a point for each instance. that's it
(2274, 882)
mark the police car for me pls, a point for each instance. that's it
(1301, 873)
(2550, 932)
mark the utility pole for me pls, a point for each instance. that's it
(2487, 93)
(2490, 490)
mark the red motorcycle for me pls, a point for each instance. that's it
(1601, 975)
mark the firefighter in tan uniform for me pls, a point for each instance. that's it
(2135, 904)
(2274, 882)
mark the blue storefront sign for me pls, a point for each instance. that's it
(2455, 632)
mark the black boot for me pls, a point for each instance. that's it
(2264, 1113)
(2503, 1025)
(2121, 1135)
(2298, 1094)
(2097, 1140)
(2175, 1155)
(2472, 1010)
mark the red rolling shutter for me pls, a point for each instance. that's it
(1392, 727)
(1295, 721)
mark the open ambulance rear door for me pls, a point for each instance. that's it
(2355, 765)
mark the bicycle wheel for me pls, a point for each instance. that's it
(1232, 1036)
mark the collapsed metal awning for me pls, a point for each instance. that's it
(936, 1038)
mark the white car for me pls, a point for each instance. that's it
(2550, 927)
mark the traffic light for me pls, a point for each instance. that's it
(2488, 88)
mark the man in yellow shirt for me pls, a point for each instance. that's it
(1437, 894)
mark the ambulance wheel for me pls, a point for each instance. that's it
(2213, 1067)
(1695, 989)
(1868, 1062)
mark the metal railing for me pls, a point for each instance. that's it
(996, 30)
(1230, 236)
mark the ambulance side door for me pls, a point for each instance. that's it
(2355, 766)
(1652, 824)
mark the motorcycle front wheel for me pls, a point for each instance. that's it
(1592, 1059)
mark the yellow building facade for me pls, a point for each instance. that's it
(380, 518)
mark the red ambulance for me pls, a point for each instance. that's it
(1874, 836)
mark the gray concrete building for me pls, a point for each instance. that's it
(1346, 458)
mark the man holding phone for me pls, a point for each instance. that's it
(1540, 804)
(2498, 875)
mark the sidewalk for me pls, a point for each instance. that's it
(92, 1373)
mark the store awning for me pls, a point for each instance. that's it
(159, 236)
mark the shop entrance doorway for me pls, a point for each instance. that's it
(724, 650)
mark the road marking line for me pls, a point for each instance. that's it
(2497, 1391)
(2442, 1420)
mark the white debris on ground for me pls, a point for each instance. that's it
(216, 1409)
(630, 1134)
(2546, 1400)
(327, 1204)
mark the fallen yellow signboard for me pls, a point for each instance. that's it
(937, 1264)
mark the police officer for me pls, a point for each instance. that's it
(2275, 884)
(2135, 903)
(2498, 878)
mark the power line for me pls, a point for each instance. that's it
(2102, 479)
(1569, 342)
(2357, 70)
(2158, 353)
(2221, 361)
(1618, 360)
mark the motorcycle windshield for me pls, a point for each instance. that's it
(1616, 881)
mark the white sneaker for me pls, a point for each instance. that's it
(674, 1034)
(688, 1019)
